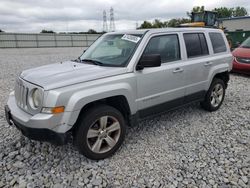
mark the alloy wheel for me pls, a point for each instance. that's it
(103, 134)
(217, 95)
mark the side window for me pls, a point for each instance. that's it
(196, 44)
(218, 42)
(166, 45)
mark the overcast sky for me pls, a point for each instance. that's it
(80, 15)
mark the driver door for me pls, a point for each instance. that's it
(161, 88)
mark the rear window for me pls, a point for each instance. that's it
(196, 44)
(218, 42)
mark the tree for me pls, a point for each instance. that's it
(224, 12)
(177, 21)
(196, 9)
(146, 25)
(1, 31)
(159, 24)
(47, 31)
(239, 11)
(92, 31)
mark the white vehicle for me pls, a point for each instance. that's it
(123, 76)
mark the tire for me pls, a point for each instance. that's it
(100, 132)
(214, 96)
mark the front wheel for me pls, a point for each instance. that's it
(214, 96)
(100, 132)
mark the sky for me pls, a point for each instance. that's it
(32, 16)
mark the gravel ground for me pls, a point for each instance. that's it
(188, 147)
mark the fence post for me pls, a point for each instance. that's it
(55, 39)
(71, 36)
(87, 42)
(37, 45)
(16, 40)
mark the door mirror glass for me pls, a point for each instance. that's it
(152, 60)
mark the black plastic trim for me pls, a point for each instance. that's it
(170, 105)
(38, 134)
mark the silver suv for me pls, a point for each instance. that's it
(120, 78)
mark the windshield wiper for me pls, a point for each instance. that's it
(95, 62)
(78, 60)
(245, 46)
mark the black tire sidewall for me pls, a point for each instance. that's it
(87, 120)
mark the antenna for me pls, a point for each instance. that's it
(105, 24)
(112, 20)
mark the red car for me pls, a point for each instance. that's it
(241, 62)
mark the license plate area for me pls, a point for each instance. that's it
(8, 115)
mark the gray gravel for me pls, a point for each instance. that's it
(187, 147)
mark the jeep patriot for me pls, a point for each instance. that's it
(120, 78)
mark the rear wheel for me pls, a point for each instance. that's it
(214, 96)
(100, 132)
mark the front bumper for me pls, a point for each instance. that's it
(42, 127)
(241, 67)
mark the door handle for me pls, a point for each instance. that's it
(208, 63)
(178, 70)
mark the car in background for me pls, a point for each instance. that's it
(241, 61)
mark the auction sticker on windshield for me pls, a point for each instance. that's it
(131, 38)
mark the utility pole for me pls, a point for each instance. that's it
(112, 20)
(105, 24)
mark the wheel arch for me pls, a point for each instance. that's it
(223, 76)
(119, 102)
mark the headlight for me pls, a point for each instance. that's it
(35, 100)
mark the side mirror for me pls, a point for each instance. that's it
(238, 44)
(152, 60)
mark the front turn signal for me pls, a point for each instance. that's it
(57, 110)
(53, 110)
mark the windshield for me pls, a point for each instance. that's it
(246, 43)
(112, 49)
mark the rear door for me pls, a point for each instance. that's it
(198, 63)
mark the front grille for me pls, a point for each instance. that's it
(243, 60)
(21, 94)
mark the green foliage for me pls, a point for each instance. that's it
(47, 31)
(159, 24)
(177, 21)
(224, 12)
(195, 10)
(240, 11)
(145, 25)
(198, 9)
(92, 31)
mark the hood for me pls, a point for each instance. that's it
(67, 73)
(241, 52)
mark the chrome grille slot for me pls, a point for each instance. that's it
(21, 94)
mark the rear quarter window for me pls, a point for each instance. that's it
(218, 42)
